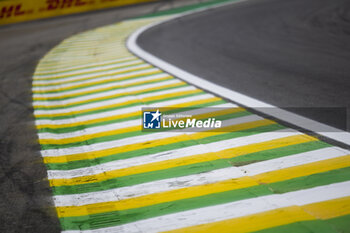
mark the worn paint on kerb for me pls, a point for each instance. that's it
(106, 174)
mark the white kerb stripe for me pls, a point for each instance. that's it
(197, 179)
(123, 110)
(133, 161)
(106, 94)
(114, 79)
(125, 124)
(231, 210)
(113, 101)
(212, 147)
(115, 84)
(75, 72)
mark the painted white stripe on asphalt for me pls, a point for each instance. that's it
(231, 210)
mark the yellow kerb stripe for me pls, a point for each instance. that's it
(42, 70)
(224, 154)
(57, 77)
(132, 129)
(273, 218)
(329, 209)
(201, 190)
(264, 220)
(152, 199)
(82, 92)
(126, 115)
(136, 100)
(78, 85)
(149, 144)
(101, 82)
(110, 96)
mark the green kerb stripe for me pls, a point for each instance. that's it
(41, 73)
(159, 149)
(96, 72)
(276, 153)
(125, 216)
(341, 224)
(163, 174)
(138, 103)
(100, 100)
(315, 226)
(81, 127)
(57, 98)
(125, 135)
(102, 83)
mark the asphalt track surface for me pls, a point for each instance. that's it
(26, 199)
(107, 174)
(286, 53)
(24, 191)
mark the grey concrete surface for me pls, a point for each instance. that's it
(289, 53)
(25, 197)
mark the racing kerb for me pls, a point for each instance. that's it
(109, 176)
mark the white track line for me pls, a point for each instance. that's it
(300, 121)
